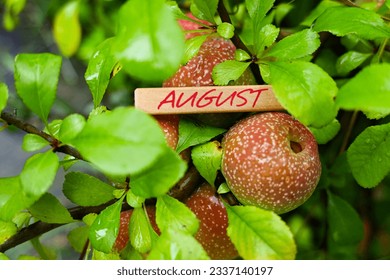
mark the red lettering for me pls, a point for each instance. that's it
(244, 99)
(231, 97)
(259, 91)
(206, 97)
(169, 99)
(191, 98)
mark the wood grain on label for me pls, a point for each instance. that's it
(212, 99)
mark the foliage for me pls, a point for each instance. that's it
(327, 61)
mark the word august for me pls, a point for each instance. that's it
(212, 97)
(206, 99)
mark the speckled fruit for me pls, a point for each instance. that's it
(271, 160)
(198, 71)
(123, 234)
(170, 126)
(212, 215)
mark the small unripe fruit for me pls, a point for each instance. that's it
(211, 212)
(271, 160)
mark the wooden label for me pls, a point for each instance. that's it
(213, 99)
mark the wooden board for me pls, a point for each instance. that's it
(214, 99)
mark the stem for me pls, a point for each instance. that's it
(11, 119)
(181, 191)
(224, 14)
(348, 133)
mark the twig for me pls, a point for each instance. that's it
(11, 119)
(181, 191)
(348, 133)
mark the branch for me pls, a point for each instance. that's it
(181, 191)
(224, 14)
(11, 119)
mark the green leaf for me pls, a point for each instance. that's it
(140, 237)
(341, 21)
(124, 141)
(150, 43)
(133, 200)
(38, 173)
(36, 79)
(99, 70)
(268, 34)
(71, 127)
(229, 70)
(77, 238)
(324, 134)
(3, 96)
(266, 235)
(369, 155)
(105, 228)
(53, 128)
(241, 55)
(204, 9)
(257, 11)
(12, 10)
(175, 215)
(317, 11)
(226, 30)
(295, 46)
(67, 28)
(305, 90)
(49, 209)
(7, 229)
(345, 225)
(160, 177)
(354, 95)
(191, 134)
(33, 142)
(350, 61)
(177, 245)
(86, 190)
(12, 198)
(3, 257)
(192, 47)
(207, 160)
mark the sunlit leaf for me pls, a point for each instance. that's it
(191, 134)
(99, 70)
(177, 245)
(343, 20)
(33, 142)
(173, 214)
(207, 159)
(3, 96)
(305, 90)
(105, 228)
(38, 173)
(67, 28)
(164, 174)
(36, 79)
(259, 234)
(150, 43)
(368, 91)
(121, 142)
